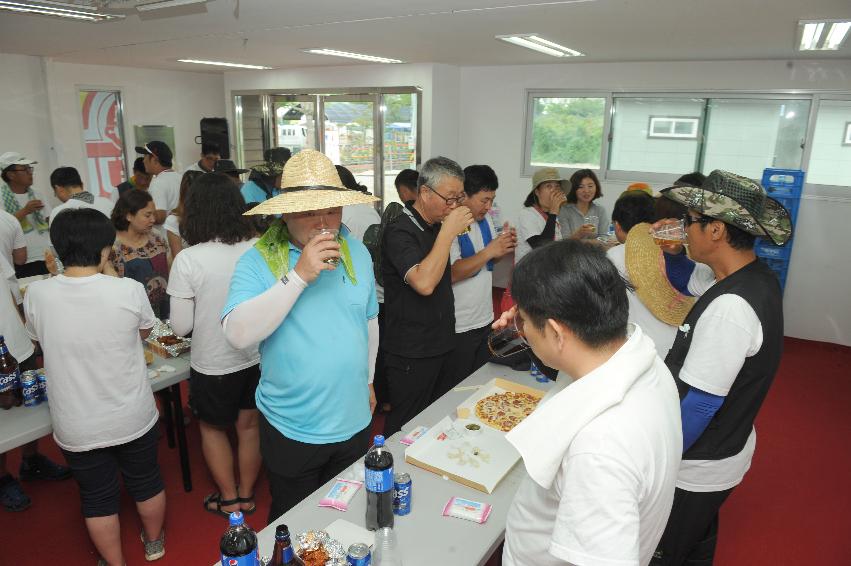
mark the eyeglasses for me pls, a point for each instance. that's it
(519, 326)
(688, 220)
(27, 169)
(449, 201)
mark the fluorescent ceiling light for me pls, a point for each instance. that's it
(538, 43)
(359, 56)
(167, 4)
(58, 10)
(222, 64)
(826, 35)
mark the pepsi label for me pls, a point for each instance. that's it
(250, 559)
(379, 480)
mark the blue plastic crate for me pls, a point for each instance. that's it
(767, 250)
(776, 265)
(783, 182)
(792, 204)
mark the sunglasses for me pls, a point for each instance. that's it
(688, 220)
(25, 169)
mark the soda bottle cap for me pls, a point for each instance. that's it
(379, 440)
(282, 531)
(236, 519)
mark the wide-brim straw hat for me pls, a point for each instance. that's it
(645, 265)
(738, 201)
(310, 182)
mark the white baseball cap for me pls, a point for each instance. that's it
(14, 158)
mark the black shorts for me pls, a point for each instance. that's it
(218, 399)
(96, 472)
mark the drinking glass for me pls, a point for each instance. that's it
(592, 220)
(506, 342)
(672, 232)
(335, 232)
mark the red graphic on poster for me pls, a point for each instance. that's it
(104, 146)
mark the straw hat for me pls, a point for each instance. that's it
(645, 265)
(738, 201)
(548, 174)
(310, 182)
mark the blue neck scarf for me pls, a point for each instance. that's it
(466, 244)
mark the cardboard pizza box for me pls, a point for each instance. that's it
(479, 458)
(467, 409)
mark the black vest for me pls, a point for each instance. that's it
(730, 427)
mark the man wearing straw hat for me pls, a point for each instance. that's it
(725, 354)
(307, 295)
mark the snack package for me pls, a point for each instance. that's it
(467, 509)
(341, 494)
(412, 436)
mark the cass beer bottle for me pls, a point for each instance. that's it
(10, 378)
(284, 555)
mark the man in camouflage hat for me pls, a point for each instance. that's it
(263, 182)
(724, 355)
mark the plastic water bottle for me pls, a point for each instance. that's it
(386, 549)
(495, 215)
(610, 235)
(537, 374)
(239, 543)
(379, 486)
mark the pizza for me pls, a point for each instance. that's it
(504, 411)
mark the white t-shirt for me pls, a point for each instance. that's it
(726, 333)
(195, 167)
(100, 203)
(165, 190)
(11, 327)
(359, 217)
(7, 273)
(599, 492)
(172, 224)
(98, 382)
(474, 295)
(662, 334)
(530, 223)
(36, 242)
(11, 236)
(203, 272)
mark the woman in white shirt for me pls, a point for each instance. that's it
(173, 220)
(223, 379)
(91, 328)
(538, 222)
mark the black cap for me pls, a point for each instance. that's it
(277, 155)
(282, 531)
(158, 149)
(227, 166)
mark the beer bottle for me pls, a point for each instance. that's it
(284, 555)
(11, 394)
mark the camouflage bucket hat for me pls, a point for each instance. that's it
(269, 169)
(738, 201)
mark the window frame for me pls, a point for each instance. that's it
(820, 191)
(527, 169)
(673, 135)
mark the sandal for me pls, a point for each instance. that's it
(249, 499)
(216, 498)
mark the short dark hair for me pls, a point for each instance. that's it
(667, 208)
(213, 211)
(79, 235)
(576, 180)
(348, 179)
(65, 177)
(139, 165)
(479, 178)
(694, 179)
(131, 202)
(189, 177)
(210, 148)
(633, 208)
(277, 155)
(575, 284)
(739, 239)
(407, 178)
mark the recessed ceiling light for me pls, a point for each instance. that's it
(59, 10)
(538, 43)
(347, 54)
(222, 64)
(823, 35)
(162, 4)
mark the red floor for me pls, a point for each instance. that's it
(792, 509)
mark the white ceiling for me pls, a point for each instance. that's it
(456, 32)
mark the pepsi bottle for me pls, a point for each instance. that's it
(11, 394)
(379, 486)
(239, 543)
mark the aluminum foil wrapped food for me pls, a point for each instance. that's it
(316, 548)
(162, 337)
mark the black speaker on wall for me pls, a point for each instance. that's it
(215, 130)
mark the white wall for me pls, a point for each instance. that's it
(817, 303)
(40, 110)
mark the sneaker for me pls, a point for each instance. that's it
(40, 467)
(12, 495)
(155, 549)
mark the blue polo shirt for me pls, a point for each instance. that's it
(252, 192)
(314, 367)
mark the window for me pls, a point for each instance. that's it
(847, 134)
(564, 132)
(673, 127)
(831, 145)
